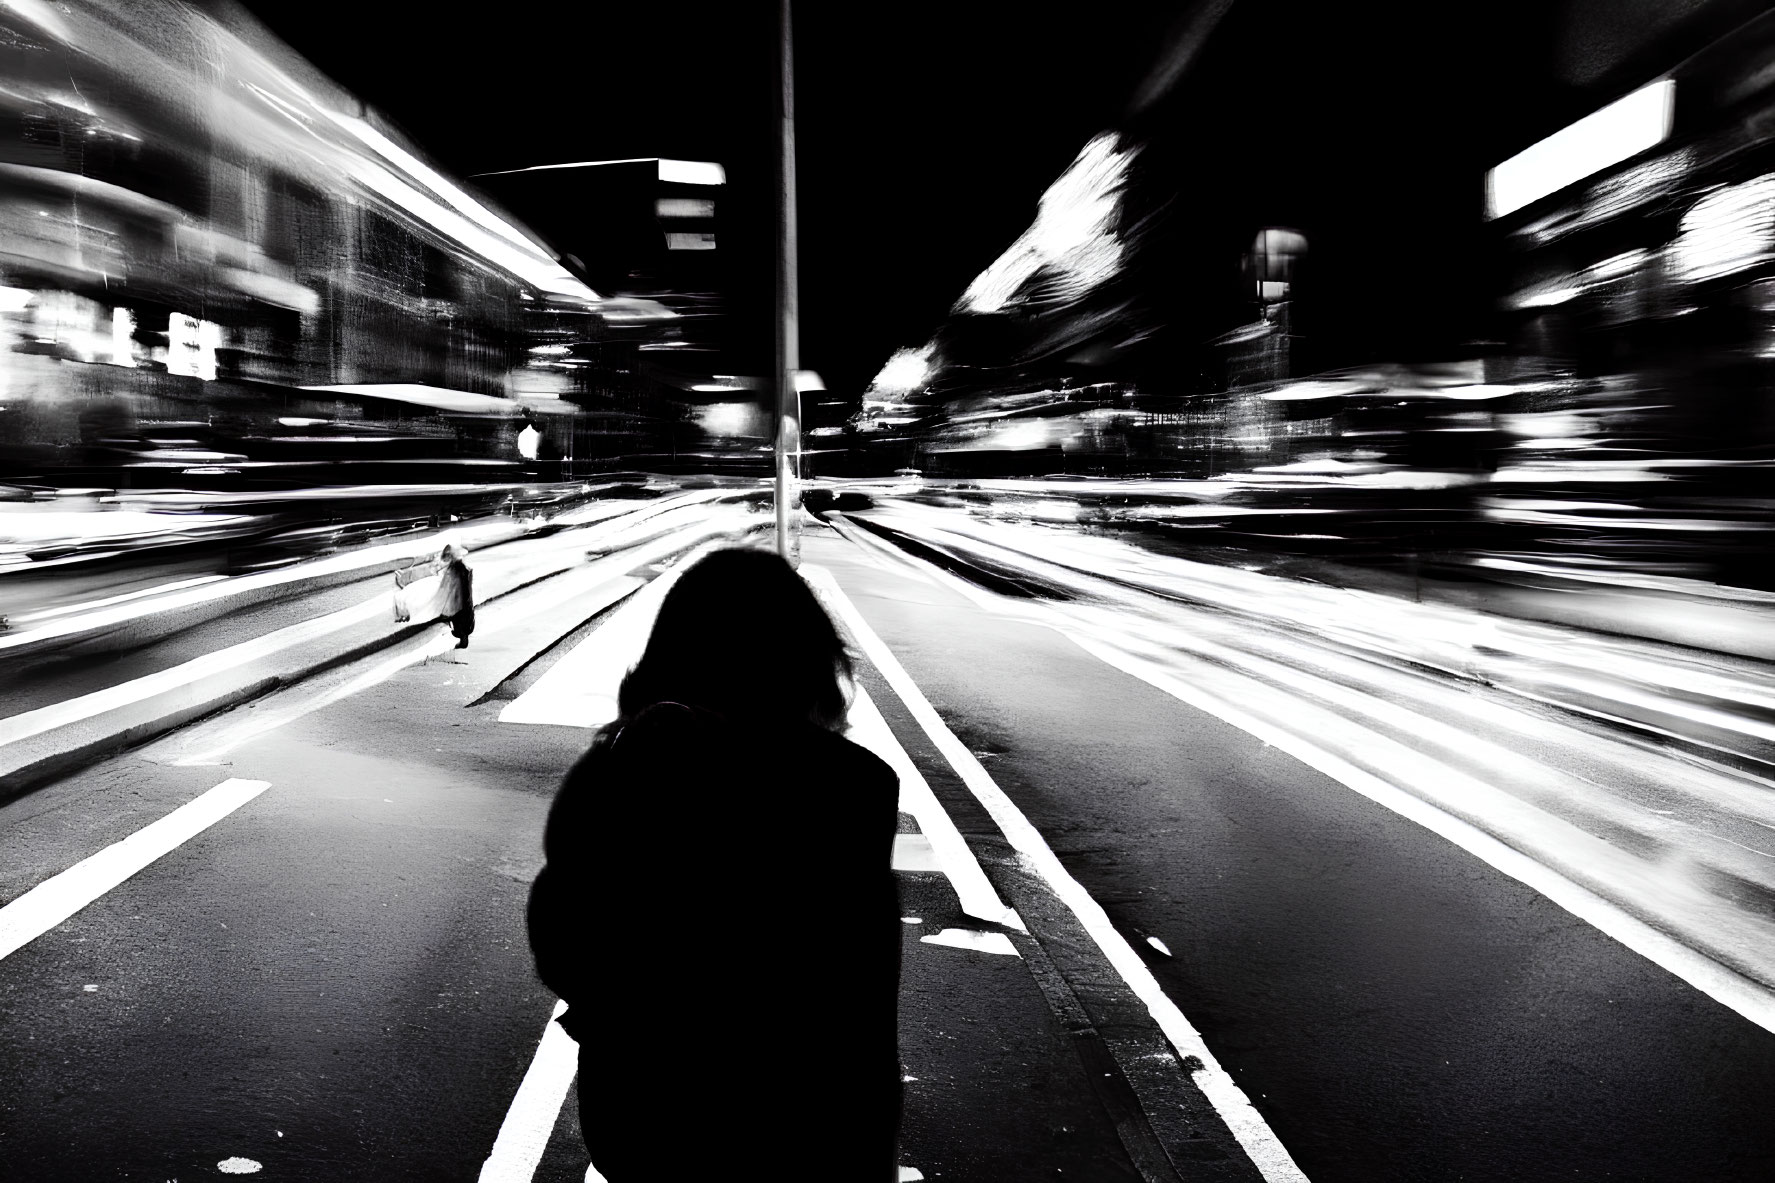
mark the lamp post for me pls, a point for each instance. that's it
(788, 329)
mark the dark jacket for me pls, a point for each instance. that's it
(718, 910)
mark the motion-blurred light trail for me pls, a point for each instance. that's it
(1406, 703)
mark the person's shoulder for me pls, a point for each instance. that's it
(856, 760)
(668, 721)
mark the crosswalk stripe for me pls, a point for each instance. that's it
(580, 689)
(524, 1135)
(59, 897)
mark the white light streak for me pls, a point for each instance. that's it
(692, 172)
(907, 370)
(1073, 238)
(1726, 231)
(437, 183)
(1622, 129)
(123, 328)
(684, 207)
(500, 247)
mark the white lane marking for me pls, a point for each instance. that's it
(1156, 943)
(239, 1166)
(971, 938)
(180, 680)
(909, 1174)
(1739, 992)
(1247, 1125)
(271, 717)
(1748, 998)
(535, 1108)
(913, 852)
(189, 597)
(975, 891)
(92, 605)
(596, 516)
(261, 722)
(580, 690)
(60, 896)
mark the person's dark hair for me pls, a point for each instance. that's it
(742, 635)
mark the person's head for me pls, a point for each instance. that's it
(742, 635)
(453, 553)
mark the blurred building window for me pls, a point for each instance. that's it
(1726, 231)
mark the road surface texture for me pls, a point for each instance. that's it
(1141, 943)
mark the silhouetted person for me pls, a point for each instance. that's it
(455, 601)
(718, 907)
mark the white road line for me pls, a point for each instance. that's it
(972, 887)
(108, 601)
(59, 897)
(913, 852)
(1247, 1125)
(979, 942)
(580, 689)
(530, 1121)
(180, 680)
(191, 596)
(1741, 994)
(254, 724)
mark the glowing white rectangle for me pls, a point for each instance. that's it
(692, 172)
(684, 207)
(1622, 129)
(676, 241)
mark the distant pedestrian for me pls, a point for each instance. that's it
(455, 602)
(718, 907)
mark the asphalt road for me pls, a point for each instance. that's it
(1396, 1008)
(331, 981)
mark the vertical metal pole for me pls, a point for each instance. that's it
(788, 352)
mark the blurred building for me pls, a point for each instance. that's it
(197, 227)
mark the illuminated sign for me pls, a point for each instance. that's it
(1622, 129)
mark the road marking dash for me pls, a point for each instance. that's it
(60, 896)
(535, 1108)
(975, 891)
(973, 938)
